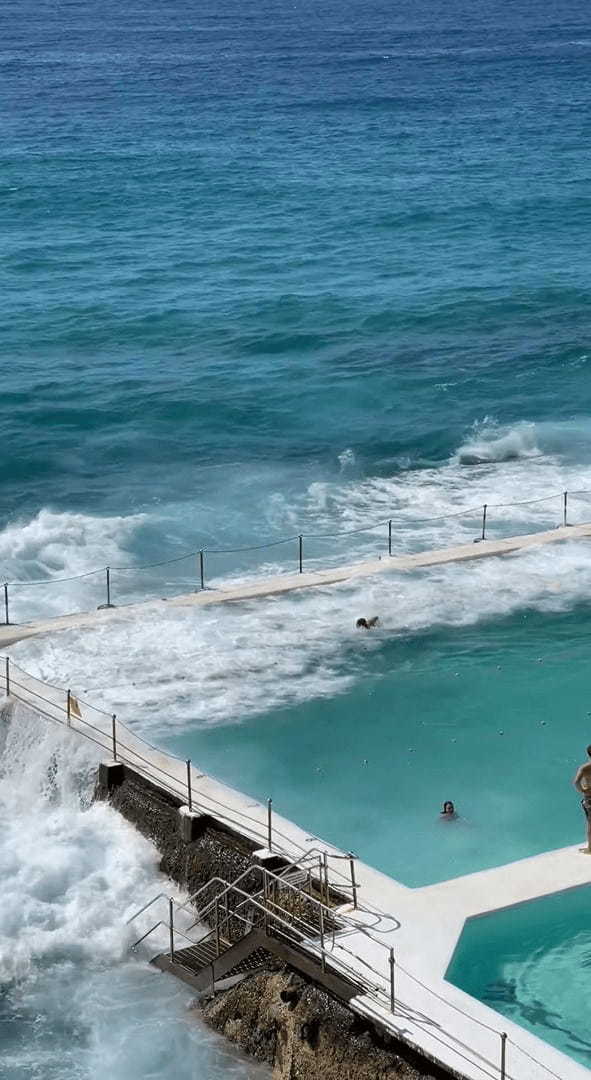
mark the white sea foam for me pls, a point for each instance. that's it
(179, 667)
(176, 668)
(73, 1003)
(507, 468)
(62, 545)
(70, 871)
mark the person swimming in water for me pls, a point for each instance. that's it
(449, 811)
(367, 624)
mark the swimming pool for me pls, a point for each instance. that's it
(495, 717)
(532, 963)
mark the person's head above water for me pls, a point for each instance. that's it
(448, 808)
(589, 750)
(366, 624)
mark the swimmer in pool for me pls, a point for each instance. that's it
(367, 624)
(582, 782)
(449, 811)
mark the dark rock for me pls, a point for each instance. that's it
(294, 1026)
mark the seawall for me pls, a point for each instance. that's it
(278, 1015)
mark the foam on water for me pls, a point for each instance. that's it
(174, 668)
(515, 466)
(72, 1002)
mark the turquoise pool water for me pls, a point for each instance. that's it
(471, 715)
(532, 963)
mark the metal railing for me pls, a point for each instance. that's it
(480, 517)
(320, 935)
(106, 731)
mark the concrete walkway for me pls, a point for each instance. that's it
(284, 583)
(421, 925)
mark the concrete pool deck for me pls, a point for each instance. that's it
(284, 583)
(421, 925)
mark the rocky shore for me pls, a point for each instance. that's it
(281, 1019)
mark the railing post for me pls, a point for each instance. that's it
(189, 793)
(392, 986)
(226, 914)
(325, 868)
(6, 619)
(217, 926)
(301, 552)
(7, 676)
(270, 824)
(114, 735)
(389, 538)
(171, 927)
(266, 900)
(484, 508)
(565, 509)
(201, 569)
(353, 881)
(320, 878)
(322, 957)
(69, 706)
(503, 1055)
(108, 573)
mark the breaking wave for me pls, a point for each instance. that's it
(491, 443)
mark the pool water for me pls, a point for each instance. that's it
(471, 715)
(532, 963)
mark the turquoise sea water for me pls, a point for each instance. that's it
(270, 270)
(530, 963)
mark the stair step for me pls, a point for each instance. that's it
(296, 877)
(195, 957)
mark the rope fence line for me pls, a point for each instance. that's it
(65, 710)
(483, 512)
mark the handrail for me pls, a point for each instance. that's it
(281, 881)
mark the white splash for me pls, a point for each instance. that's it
(73, 1003)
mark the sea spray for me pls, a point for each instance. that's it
(73, 1001)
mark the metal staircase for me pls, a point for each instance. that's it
(290, 916)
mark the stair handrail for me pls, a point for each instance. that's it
(347, 920)
(160, 896)
(308, 928)
(251, 897)
(306, 932)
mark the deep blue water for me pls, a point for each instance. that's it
(271, 268)
(250, 238)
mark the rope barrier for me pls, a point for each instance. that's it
(200, 552)
(526, 502)
(532, 1058)
(251, 547)
(55, 581)
(165, 562)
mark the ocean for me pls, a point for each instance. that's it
(270, 270)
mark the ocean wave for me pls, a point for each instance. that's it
(491, 443)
